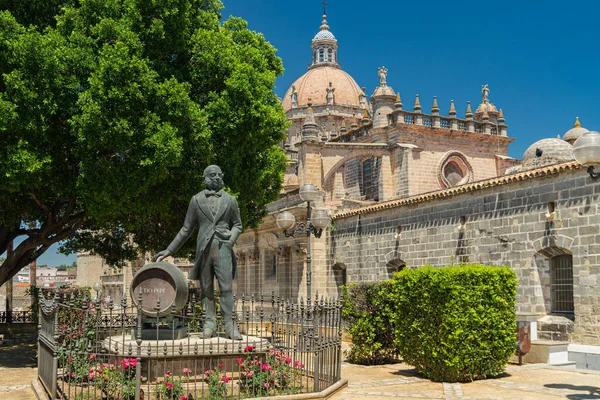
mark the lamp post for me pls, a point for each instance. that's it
(315, 222)
(586, 150)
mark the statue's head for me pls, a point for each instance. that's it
(213, 177)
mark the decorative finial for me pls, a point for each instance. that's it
(398, 103)
(485, 94)
(382, 72)
(577, 123)
(452, 111)
(469, 113)
(435, 108)
(485, 116)
(365, 115)
(417, 106)
(501, 117)
(324, 25)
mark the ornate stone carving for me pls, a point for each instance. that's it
(382, 72)
(330, 96)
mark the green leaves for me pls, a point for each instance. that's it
(452, 324)
(116, 107)
(456, 323)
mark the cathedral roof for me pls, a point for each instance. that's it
(324, 33)
(545, 152)
(573, 134)
(313, 84)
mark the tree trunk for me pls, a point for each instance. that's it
(38, 241)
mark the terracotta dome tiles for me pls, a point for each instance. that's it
(313, 83)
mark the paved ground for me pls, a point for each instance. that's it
(534, 381)
(390, 382)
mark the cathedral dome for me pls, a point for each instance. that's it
(573, 134)
(549, 150)
(489, 107)
(324, 35)
(314, 83)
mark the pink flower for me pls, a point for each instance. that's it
(267, 385)
(208, 372)
(168, 374)
(182, 398)
(239, 361)
(169, 385)
(92, 376)
(92, 357)
(225, 379)
(186, 371)
(266, 367)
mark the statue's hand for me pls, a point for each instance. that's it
(161, 255)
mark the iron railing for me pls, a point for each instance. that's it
(16, 317)
(90, 350)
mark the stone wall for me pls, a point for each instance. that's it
(521, 221)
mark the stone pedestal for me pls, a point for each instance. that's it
(193, 352)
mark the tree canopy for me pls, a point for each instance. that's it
(111, 109)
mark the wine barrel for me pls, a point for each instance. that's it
(159, 280)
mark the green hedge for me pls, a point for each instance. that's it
(369, 315)
(456, 323)
(452, 324)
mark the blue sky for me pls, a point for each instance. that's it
(541, 59)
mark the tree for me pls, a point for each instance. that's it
(109, 113)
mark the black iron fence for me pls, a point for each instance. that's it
(16, 317)
(91, 350)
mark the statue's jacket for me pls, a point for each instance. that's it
(223, 226)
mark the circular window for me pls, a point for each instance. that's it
(454, 170)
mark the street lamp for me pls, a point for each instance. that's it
(586, 150)
(314, 225)
(97, 286)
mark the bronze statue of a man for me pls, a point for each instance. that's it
(217, 216)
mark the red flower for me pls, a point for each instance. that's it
(266, 367)
(221, 365)
(182, 398)
(169, 385)
(248, 348)
(225, 379)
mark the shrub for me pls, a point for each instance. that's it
(455, 323)
(369, 313)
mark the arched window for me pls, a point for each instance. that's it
(395, 265)
(370, 178)
(561, 284)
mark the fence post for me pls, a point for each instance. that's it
(138, 340)
(316, 372)
(55, 350)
